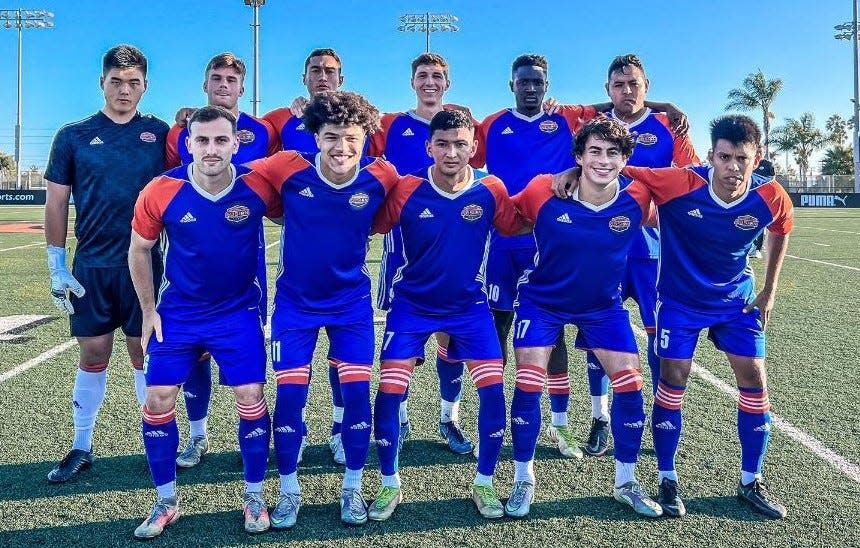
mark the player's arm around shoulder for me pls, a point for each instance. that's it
(388, 213)
(532, 198)
(507, 219)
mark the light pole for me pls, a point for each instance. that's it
(23, 19)
(427, 23)
(255, 101)
(848, 31)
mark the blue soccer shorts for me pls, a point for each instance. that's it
(505, 267)
(392, 262)
(640, 284)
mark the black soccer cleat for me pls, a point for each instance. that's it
(598, 438)
(76, 461)
(757, 495)
(669, 499)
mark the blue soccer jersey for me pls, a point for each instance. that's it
(291, 131)
(581, 248)
(445, 239)
(107, 165)
(326, 227)
(257, 139)
(705, 241)
(402, 140)
(210, 243)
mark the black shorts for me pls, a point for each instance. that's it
(110, 301)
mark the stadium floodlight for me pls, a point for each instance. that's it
(19, 20)
(255, 26)
(848, 31)
(427, 23)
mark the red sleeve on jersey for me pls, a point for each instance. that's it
(278, 118)
(507, 219)
(385, 173)
(270, 197)
(533, 197)
(481, 131)
(640, 193)
(388, 214)
(577, 115)
(148, 220)
(380, 137)
(666, 183)
(275, 170)
(683, 153)
(171, 148)
(780, 206)
(273, 136)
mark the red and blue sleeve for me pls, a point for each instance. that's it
(275, 170)
(148, 220)
(388, 214)
(380, 138)
(269, 196)
(533, 197)
(385, 173)
(665, 184)
(641, 194)
(577, 115)
(273, 137)
(507, 219)
(780, 206)
(683, 153)
(171, 148)
(481, 132)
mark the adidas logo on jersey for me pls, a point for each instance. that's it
(565, 218)
(426, 214)
(97, 141)
(300, 127)
(763, 428)
(695, 213)
(76, 405)
(637, 424)
(189, 395)
(519, 421)
(383, 443)
(306, 192)
(360, 426)
(187, 218)
(285, 429)
(507, 131)
(408, 132)
(156, 434)
(593, 366)
(255, 433)
(665, 425)
(498, 434)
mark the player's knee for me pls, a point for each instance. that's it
(675, 371)
(159, 400)
(248, 394)
(749, 372)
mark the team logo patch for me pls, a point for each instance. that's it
(746, 222)
(245, 136)
(619, 223)
(548, 126)
(358, 200)
(237, 213)
(147, 137)
(472, 212)
(646, 139)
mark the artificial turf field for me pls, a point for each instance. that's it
(813, 380)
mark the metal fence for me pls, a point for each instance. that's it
(819, 184)
(30, 180)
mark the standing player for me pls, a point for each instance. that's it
(329, 199)
(445, 215)
(582, 252)
(402, 140)
(208, 300)
(709, 217)
(223, 84)
(103, 161)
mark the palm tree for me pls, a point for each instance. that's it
(802, 138)
(837, 161)
(837, 129)
(756, 92)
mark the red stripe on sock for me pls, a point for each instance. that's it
(627, 380)
(297, 375)
(353, 372)
(93, 367)
(485, 373)
(558, 384)
(442, 354)
(254, 411)
(394, 377)
(668, 397)
(754, 402)
(530, 378)
(156, 419)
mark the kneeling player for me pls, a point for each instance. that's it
(445, 217)
(582, 253)
(208, 211)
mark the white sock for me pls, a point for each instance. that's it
(450, 411)
(290, 483)
(391, 481)
(600, 407)
(87, 397)
(624, 472)
(167, 491)
(749, 477)
(197, 428)
(671, 474)
(481, 479)
(524, 471)
(140, 386)
(404, 411)
(352, 478)
(337, 415)
(255, 487)
(559, 419)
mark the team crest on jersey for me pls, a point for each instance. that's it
(619, 223)
(359, 200)
(472, 212)
(548, 126)
(646, 139)
(746, 222)
(147, 137)
(245, 136)
(237, 213)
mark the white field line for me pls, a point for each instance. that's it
(44, 356)
(824, 262)
(829, 230)
(22, 246)
(821, 245)
(828, 455)
(271, 245)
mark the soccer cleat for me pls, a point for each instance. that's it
(284, 513)
(669, 499)
(631, 494)
(598, 438)
(193, 452)
(520, 501)
(302, 449)
(458, 442)
(75, 462)
(385, 503)
(353, 508)
(256, 514)
(405, 430)
(164, 512)
(757, 495)
(335, 445)
(486, 501)
(563, 438)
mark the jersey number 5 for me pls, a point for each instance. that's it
(664, 338)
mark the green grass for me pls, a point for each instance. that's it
(813, 348)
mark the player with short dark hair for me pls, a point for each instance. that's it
(582, 247)
(208, 211)
(329, 199)
(445, 214)
(103, 161)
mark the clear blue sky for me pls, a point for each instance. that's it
(694, 52)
